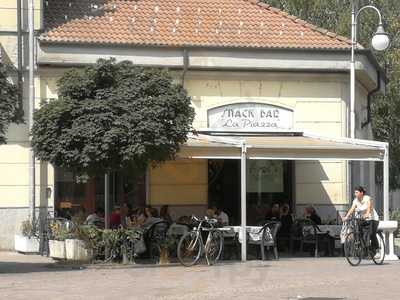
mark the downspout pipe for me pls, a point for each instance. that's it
(19, 54)
(32, 179)
(369, 99)
(185, 65)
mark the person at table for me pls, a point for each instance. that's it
(79, 215)
(115, 218)
(220, 215)
(96, 218)
(363, 207)
(137, 217)
(152, 217)
(210, 213)
(286, 221)
(311, 214)
(274, 213)
(164, 214)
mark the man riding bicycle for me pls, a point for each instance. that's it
(363, 208)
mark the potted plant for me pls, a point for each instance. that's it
(58, 234)
(26, 242)
(83, 244)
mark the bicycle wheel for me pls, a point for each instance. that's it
(379, 257)
(352, 249)
(189, 249)
(214, 246)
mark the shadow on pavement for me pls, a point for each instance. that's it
(12, 267)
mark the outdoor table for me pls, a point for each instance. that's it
(332, 230)
(177, 229)
(253, 231)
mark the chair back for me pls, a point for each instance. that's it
(269, 232)
(158, 231)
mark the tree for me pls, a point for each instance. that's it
(112, 116)
(9, 107)
(334, 15)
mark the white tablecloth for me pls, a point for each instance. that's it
(253, 231)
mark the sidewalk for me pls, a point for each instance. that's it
(33, 277)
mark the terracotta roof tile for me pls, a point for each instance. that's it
(210, 23)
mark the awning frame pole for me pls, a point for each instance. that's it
(386, 184)
(107, 200)
(243, 183)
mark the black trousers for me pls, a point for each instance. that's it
(370, 227)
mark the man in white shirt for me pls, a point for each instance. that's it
(96, 219)
(221, 216)
(363, 207)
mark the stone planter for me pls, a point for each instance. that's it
(75, 250)
(57, 249)
(26, 244)
(397, 246)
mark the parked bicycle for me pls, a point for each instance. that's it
(191, 246)
(357, 243)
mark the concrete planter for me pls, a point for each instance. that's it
(397, 246)
(75, 250)
(26, 244)
(57, 249)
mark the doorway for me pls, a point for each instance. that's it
(268, 182)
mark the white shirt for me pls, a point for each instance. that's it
(93, 219)
(362, 206)
(223, 218)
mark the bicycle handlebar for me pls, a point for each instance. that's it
(205, 219)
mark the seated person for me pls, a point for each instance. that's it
(210, 213)
(137, 217)
(79, 215)
(152, 217)
(286, 221)
(184, 220)
(164, 214)
(275, 212)
(311, 214)
(221, 216)
(115, 218)
(96, 219)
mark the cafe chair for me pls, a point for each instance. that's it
(155, 236)
(268, 238)
(311, 234)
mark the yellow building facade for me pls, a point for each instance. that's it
(312, 85)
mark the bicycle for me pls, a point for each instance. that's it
(191, 245)
(357, 244)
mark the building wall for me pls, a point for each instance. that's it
(14, 156)
(319, 106)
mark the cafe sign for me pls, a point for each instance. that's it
(250, 116)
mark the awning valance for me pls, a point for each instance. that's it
(280, 145)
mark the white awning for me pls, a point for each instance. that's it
(288, 145)
(280, 145)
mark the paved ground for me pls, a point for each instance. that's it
(34, 277)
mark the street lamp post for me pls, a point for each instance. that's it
(380, 41)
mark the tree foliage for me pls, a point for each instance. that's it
(9, 108)
(111, 116)
(335, 15)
